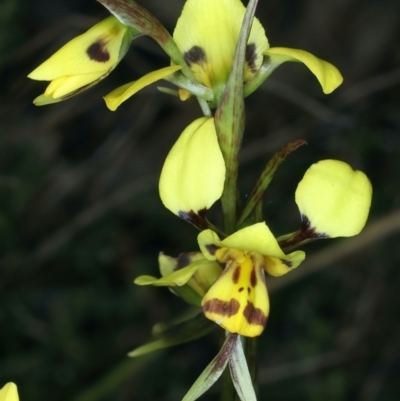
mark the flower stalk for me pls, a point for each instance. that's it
(230, 122)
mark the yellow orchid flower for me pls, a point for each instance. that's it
(207, 33)
(9, 392)
(334, 201)
(84, 61)
(238, 300)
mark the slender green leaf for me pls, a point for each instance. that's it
(181, 333)
(240, 373)
(134, 15)
(266, 177)
(213, 371)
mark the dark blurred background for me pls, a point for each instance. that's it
(80, 215)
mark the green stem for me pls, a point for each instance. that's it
(205, 108)
(229, 122)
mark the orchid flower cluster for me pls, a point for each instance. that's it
(219, 54)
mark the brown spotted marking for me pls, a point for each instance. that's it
(196, 218)
(254, 316)
(240, 289)
(97, 52)
(267, 60)
(253, 277)
(195, 55)
(236, 275)
(183, 261)
(211, 248)
(307, 231)
(287, 263)
(222, 308)
(251, 57)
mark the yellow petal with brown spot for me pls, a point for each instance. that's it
(96, 50)
(207, 33)
(334, 199)
(238, 300)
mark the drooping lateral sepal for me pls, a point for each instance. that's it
(119, 95)
(193, 175)
(333, 199)
(189, 276)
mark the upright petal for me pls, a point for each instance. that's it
(192, 178)
(255, 238)
(327, 74)
(334, 199)
(96, 50)
(207, 33)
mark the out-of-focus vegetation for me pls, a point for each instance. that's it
(80, 215)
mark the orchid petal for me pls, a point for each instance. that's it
(9, 392)
(207, 33)
(255, 238)
(333, 199)
(177, 278)
(238, 300)
(193, 175)
(96, 50)
(278, 267)
(124, 92)
(327, 74)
